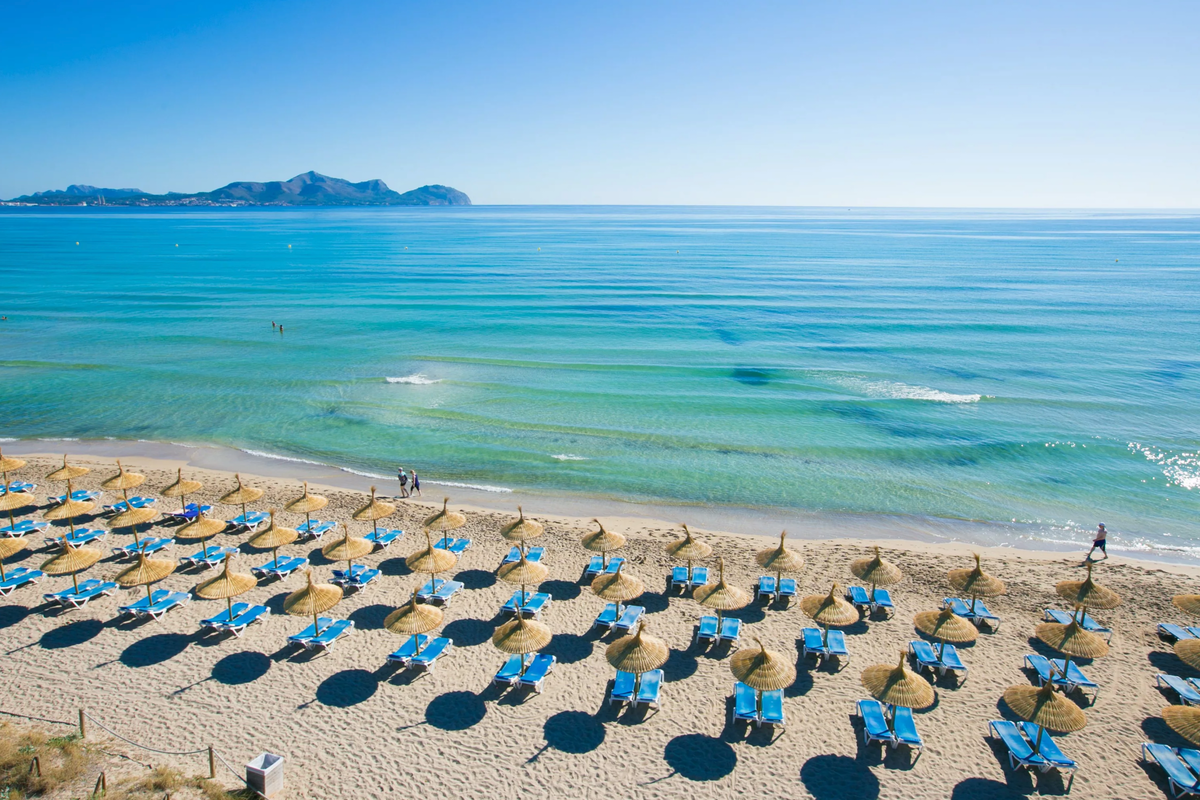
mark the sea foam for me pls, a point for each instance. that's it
(569, 457)
(416, 379)
(895, 390)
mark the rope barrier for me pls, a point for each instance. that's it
(38, 719)
(142, 746)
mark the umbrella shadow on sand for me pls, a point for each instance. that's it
(154, 649)
(346, 688)
(574, 732)
(71, 634)
(475, 579)
(833, 777)
(455, 711)
(468, 632)
(235, 669)
(697, 757)
(560, 590)
(984, 789)
(11, 615)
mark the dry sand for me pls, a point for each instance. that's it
(349, 726)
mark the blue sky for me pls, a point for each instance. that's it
(1026, 104)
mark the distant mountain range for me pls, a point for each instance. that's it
(308, 189)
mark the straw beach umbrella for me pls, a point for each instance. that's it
(638, 653)
(1072, 641)
(122, 482)
(200, 529)
(69, 509)
(10, 546)
(181, 488)
(67, 472)
(11, 501)
(9, 464)
(521, 530)
(617, 587)
(762, 670)
(975, 583)
(520, 637)
(431, 561)
(374, 511)
(347, 549)
(1184, 720)
(241, 495)
(312, 599)
(307, 503)
(445, 520)
(414, 619)
(273, 538)
(876, 571)
(1188, 603)
(145, 572)
(226, 586)
(1188, 651)
(829, 611)
(720, 596)
(524, 573)
(1045, 708)
(897, 686)
(1087, 594)
(71, 561)
(602, 541)
(132, 517)
(945, 626)
(688, 549)
(780, 559)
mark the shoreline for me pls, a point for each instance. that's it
(892, 530)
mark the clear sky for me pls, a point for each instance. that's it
(1030, 104)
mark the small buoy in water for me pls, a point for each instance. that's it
(1117, 261)
(289, 247)
(539, 249)
(406, 248)
(177, 245)
(77, 244)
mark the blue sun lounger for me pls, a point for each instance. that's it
(141, 604)
(310, 632)
(224, 617)
(905, 728)
(1089, 624)
(766, 588)
(188, 512)
(18, 487)
(1048, 748)
(1175, 633)
(383, 538)
(315, 529)
(1051, 669)
(136, 502)
(18, 577)
(861, 599)
(429, 655)
(772, 709)
(207, 557)
(358, 577)
(745, 703)
(1184, 688)
(81, 537)
(404, 653)
(606, 618)
(88, 590)
(629, 618)
(249, 522)
(596, 566)
(330, 636)
(1020, 751)
(25, 526)
(706, 631)
(1182, 777)
(926, 657)
(648, 691)
(441, 593)
(533, 555)
(979, 616)
(287, 565)
(679, 577)
(622, 688)
(787, 589)
(815, 645)
(148, 545)
(535, 674)
(511, 669)
(157, 610)
(242, 619)
(731, 630)
(79, 495)
(456, 546)
(534, 603)
(875, 725)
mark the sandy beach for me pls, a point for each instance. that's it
(348, 725)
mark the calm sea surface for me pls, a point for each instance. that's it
(1037, 369)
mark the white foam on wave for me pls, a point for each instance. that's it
(570, 457)
(374, 475)
(7, 439)
(276, 457)
(416, 379)
(1181, 469)
(59, 439)
(476, 486)
(895, 390)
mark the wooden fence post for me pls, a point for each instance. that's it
(212, 764)
(82, 726)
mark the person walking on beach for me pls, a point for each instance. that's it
(1101, 536)
(416, 484)
(403, 478)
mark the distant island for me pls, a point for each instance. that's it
(308, 189)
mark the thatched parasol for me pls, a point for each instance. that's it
(638, 652)
(1184, 720)
(200, 529)
(431, 560)
(445, 520)
(374, 511)
(67, 473)
(780, 559)
(1188, 603)
(226, 586)
(71, 561)
(521, 530)
(523, 573)
(945, 626)
(721, 596)
(145, 572)
(132, 517)
(11, 501)
(688, 549)
(10, 546)
(1188, 651)
(520, 637)
(413, 617)
(601, 542)
(762, 670)
(1045, 708)
(306, 504)
(274, 538)
(312, 599)
(241, 495)
(69, 509)
(617, 587)
(876, 571)
(898, 685)
(7, 465)
(181, 488)
(975, 583)
(829, 611)
(1087, 594)
(123, 481)
(347, 548)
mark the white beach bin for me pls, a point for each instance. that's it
(265, 774)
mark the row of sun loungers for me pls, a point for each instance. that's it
(980, 616)
(323, 637)
(825, 645)
(627, 689)
(148, 545)
(88, 590)
(596, 566)
(628, 620)
(681, 580)
(285, 566)
(136, 502)
(927, 658)
(23, 487)
(358, 576)
(79, 495)
(25, 526)
(188, 512)
(537, 667)
(1089, 624)
(1188, 689)
(532, 607)
(746, 708)
(1051, 669)
(431, 649)
(1020, 739)
(1182, 766)
(888, 725)
(81, 537)
(18, 577)
(767, 588)
(157, 604)
(532, 555)
(439, 591)
(870, 602)
(730, 630)
(237, 618)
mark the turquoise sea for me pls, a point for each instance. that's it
(1039, 370)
